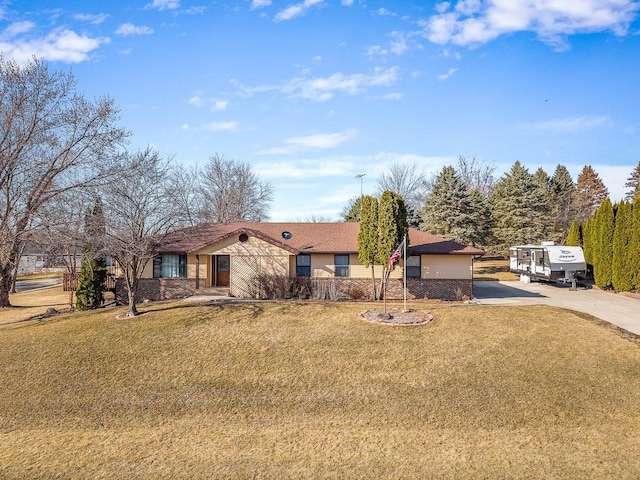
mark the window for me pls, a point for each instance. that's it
(413, 266)
(341, 265)
(170, 266)
(303, 265)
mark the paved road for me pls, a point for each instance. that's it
(617, 309)
(24, 285)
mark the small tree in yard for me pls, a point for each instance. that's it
(603, 225)
(574, 236)
(368, 236)
(93, 270)
(622, 275)
(392, 229)
(142, 211)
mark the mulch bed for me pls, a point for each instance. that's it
(409, 318)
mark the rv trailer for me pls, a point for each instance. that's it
(547, 262)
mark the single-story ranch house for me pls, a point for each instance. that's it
(234, 256)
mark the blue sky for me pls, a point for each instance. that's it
(313, 92)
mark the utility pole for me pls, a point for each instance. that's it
(360, 176)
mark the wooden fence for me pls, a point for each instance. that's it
(70, 282)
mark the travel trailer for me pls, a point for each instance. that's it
(547, 262)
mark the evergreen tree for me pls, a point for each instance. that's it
(633, 184)
(562, 199)
(604, 223)
(368, 236)
(591, 193)
(446, 207)
(622, 275)
(392, 229)
(516, 209)
(542, 198)
(588, 244)
(635, 244)
(93, 270)
(478, 230)
(574, 236)
(351, 211)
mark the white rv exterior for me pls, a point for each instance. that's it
(547, 261)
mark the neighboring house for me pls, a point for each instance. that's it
(233, 256)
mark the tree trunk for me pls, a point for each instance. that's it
(373, 282)
(132, 289)
(133, 311)
(5, 285)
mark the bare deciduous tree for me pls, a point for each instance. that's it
(231, 192)
(184, 182)
(476, 174)
(407, 181)
(52, 140)
(142, 210)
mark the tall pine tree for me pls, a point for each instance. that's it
(633, 184)
(562, 199)
(93, 271)
(446, 210)
(517, 209)
(591, 192)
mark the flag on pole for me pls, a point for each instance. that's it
(394, 257)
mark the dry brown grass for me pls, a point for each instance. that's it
(27, 305)
(493, 269)
(308, 390)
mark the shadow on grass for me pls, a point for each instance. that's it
(250, 309)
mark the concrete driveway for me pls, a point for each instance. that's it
(617, 309)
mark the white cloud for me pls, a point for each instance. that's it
(346, 3)
(184, 126)
(127, 29)
(474, 22)
(219, 105)
(163, 5)
(256, 4)
(94, 19)
(221, 126)
(375, 50)
(398, 43)
(196, 10)
(198, 101)
(17, 28)
(321, 89)
(296, 10)
(60, 45)
(570, 124)
(444, 76)
(383, 12)
(319, 141)
(388, 96)
(304, 169)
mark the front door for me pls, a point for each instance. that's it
(222, 271)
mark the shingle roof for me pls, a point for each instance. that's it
(336, 237)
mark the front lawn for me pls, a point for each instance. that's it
(308, 390)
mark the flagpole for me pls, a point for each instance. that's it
(404, 283)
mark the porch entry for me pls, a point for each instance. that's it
(221, 264)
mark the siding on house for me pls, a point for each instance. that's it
(447, 267)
